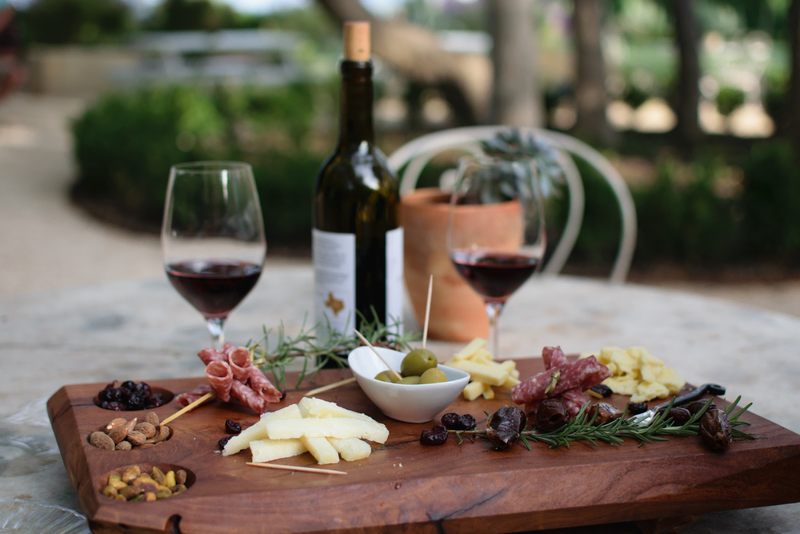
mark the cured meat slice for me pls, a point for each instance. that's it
(220, 377)
(239, 360)
(553, 357)
(581, 374)
(185, 399)
(227, 348)
(573, 400)
(262, 385)
(248, 397)
(211, 355)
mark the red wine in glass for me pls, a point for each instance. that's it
(214, 287)
(494, 275)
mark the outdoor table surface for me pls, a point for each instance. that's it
(143, 330)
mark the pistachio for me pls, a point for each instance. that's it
(129, 492)
(158, 475)
(131, 474)
(136, 438)
(118, 433)
(150, 496)
(102, 441)
(163, 494)
(180, 477)
(152, 418)
(119, 421)
(138, 498)
(116, 481)
(145, 485)
(170, 479)
(147, 429)
(120, 498)
(124, 445)
(110, 491)
(178, 488)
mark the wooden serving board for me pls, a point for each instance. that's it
(403, 486)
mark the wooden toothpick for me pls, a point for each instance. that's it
(298, 468)
(330, 386)
(427, 313)
(189, 408)
(378, 354)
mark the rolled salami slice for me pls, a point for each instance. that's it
(239, 360)
(211, 355)
(262, 385)
(248, 397)
(220, 377)
(227, 347)
(582, 374)
(573, 401)
(185, 399)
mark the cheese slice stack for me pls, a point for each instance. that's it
(483, 371)
(322, 428)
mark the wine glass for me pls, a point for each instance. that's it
(212, 237)
(495, 231)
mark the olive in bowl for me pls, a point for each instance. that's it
(410, 403)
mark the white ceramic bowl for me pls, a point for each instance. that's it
(410, 403)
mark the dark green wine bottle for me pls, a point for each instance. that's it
(357, 241)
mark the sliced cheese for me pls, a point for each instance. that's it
(470, 349)
(259, 430)
(314, 407)
(266, 450)
(488, 374)
(321, 449)
(331, 427)
(351, 449)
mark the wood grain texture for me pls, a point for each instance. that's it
(405, 486)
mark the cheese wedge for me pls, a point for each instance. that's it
(351, 449)
(314, 407)
(259, 430)
(266, 450)
(321, 449)
(331, 427)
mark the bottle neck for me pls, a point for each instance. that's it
(356, 104)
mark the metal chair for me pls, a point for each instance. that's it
(416, 154)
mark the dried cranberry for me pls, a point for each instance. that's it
(112, 385)
(104, 405)
(232, 427)
(129, 385)
(435, 436)
(135, 402)
(104, 396)
(143, 388)
(635, 408)
(124, 393)
(603, 390)
(680, 415)
(153, 402)
(224, 441)
(116, 406)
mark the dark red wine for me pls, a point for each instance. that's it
(214, 287)
(495, 275)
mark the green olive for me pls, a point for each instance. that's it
(409, 380)
(386, 376)
(417, 362)
(432, 376)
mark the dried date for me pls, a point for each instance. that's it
(505, 426)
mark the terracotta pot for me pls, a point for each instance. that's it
(457, 312)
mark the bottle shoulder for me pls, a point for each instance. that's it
(366, 168)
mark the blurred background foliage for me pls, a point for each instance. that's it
(731, 201)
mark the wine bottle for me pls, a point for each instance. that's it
(357, 243)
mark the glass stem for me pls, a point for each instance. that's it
(215, 329)
(493, 310)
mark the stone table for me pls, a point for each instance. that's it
(143, 330)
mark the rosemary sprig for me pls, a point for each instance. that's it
(317, 350)
(582, 428)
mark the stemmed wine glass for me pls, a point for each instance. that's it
(495, 232)
(212, 237)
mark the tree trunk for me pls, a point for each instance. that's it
(464, 79)
(591, 73)
(517, 98)
(686, 37)
(793, 96)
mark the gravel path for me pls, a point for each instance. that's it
(46, 243)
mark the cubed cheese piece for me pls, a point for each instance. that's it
(330, 427)
(488, 392)
(515, 373)
(510, 382)
(488, 374)
(266, 450)
(470, 349)
(508, 365)
(482, 356)
(671, 380)
(259, 430)
(321, 449)
(622, 385)
(649, 390)
(314, 407)
(473, 390)
(351, 449)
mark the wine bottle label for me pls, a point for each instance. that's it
(394, 278)
(334, 279)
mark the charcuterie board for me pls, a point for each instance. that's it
(403, 485)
